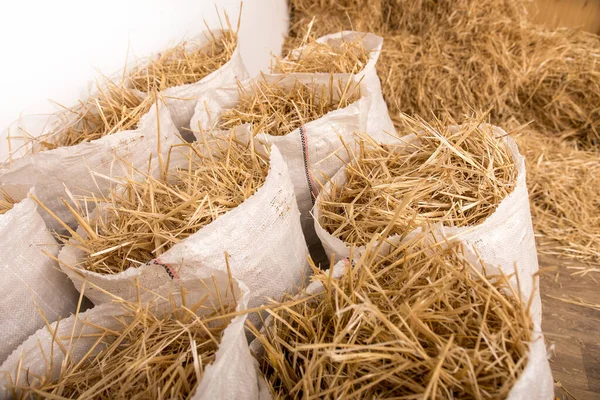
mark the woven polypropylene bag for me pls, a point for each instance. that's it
(233, 374)
(505, 239)
(181, 100)
(535, 381)
(314, 151)
(30, 278)
(262, 237)
(83, 169)
(378, 121)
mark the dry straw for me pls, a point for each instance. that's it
(149, 355)
(453, 175)
(6, 202)
(111, 109)
(564, 189)
(278, 109)
(181, 66)
(142, 219)
(418, 322)
(350, 56)
(451, 56)
(118, 106)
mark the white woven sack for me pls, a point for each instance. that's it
(83, 169)
(233, 374)
(505, 239)
(30, 278)
(310, 152)
(262, 237)
(181, 100)
(379, 119)
(536, 380)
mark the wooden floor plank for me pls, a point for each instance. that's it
(571, 331)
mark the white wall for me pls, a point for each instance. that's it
(54, 49)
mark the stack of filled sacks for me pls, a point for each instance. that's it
(121, 125)
(319, 96)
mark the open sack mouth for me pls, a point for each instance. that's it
(117, 106)
(159, 346)
(340, 56)
(456, 175)
(277, 108)
(143, 218)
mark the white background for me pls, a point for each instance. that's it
(55, 49)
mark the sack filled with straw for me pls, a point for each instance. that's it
(469, 179)
(408, 320)
(184, 341)
(346, 52)
(303, 117)
(87, 167)
(31, 279)
(183, 72)
(234, 199)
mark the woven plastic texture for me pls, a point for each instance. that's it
(30, 278)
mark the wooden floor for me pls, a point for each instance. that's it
(572, 331)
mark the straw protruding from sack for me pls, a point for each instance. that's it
(456, 175)
(111, 109)
(151, 353)
(142, 219)
(179, 65)
(6, 202)
(418, 321)
(350, 56)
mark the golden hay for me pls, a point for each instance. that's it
(349, 57)
(415, 323)
(143, 219)
(564, 190)
(277, 110)
(6, 202)
(333, 16)
(181, 66)
(149, 356)
(453, 176)
(111, 109)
